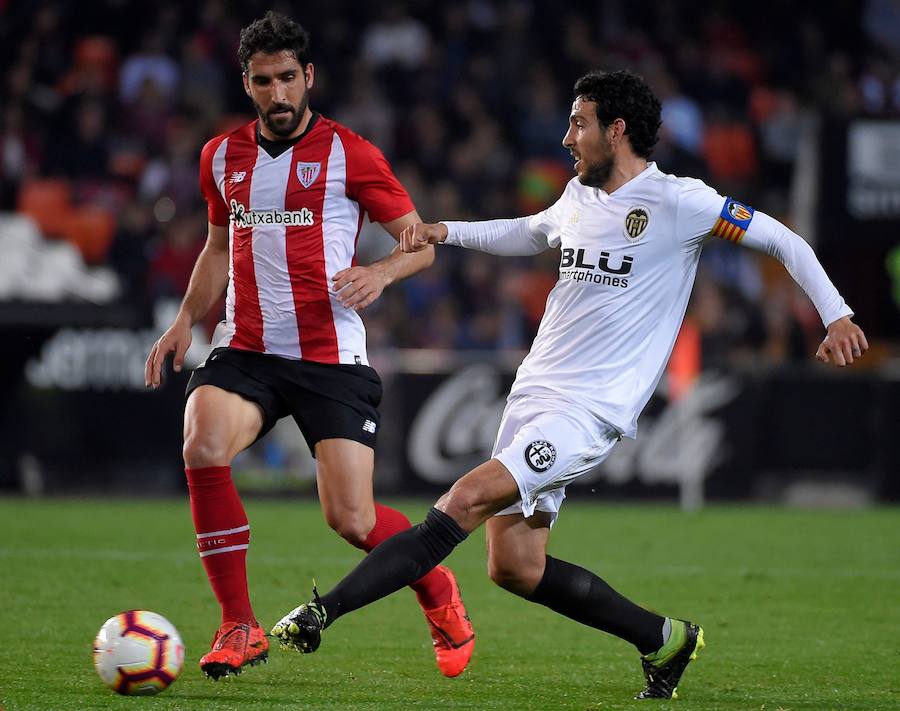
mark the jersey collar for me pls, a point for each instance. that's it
(276, 148)
(651, 169)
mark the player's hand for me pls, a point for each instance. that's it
(176, 340)
(357, 287)
(844, 342)
(417, 237)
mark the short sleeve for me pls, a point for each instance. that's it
(216, 208)
(548, 223)
(371, 182)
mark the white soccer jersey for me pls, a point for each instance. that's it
(628, 262)
(294, 221)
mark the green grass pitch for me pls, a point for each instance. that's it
(801, 610)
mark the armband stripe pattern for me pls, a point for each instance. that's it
(733, 221)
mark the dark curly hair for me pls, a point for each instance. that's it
(273, 33)
(627, 96)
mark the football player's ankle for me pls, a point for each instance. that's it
(675, 641)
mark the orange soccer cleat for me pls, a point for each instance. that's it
(451, 631)
(235, 645)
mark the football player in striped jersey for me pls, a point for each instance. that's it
(287, 194)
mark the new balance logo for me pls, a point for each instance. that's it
(238, 176)
(369, 426)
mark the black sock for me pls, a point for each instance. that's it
(395, 563)
(584, 597)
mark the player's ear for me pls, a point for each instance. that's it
(246, 83)
(309, 71)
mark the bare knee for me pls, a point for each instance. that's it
(516, 575)
(204, 451)
(353, 527)
(479, 495)
(468, 505)
(217, 425)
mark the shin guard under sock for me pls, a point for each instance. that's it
(584, 597)
(223, 536)
(432, 590)
(400, 560)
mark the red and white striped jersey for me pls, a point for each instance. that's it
(294, 223)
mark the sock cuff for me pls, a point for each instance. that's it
(204, 476)
(388, 521)
(538, 593)
(443, 524)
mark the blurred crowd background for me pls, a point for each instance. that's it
(107, 103)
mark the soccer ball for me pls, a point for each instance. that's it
(138, 653)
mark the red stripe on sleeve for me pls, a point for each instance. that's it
(370, 180)
(217, 211)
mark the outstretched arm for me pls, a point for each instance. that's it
(844, 340)
(508, 238)
(359, 286)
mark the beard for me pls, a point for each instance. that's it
(283, 127)
(597, 175)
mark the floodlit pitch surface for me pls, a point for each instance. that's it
(801, 610)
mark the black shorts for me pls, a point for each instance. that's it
(326, 400)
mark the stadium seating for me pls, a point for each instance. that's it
(91, 229)
(48, 201)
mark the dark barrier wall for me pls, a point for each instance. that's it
(733, 436)
(75, 411)
(73, 406)
(859, 218)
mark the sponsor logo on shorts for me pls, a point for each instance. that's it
(369, 426)
(540, 455)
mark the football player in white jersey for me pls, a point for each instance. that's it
(630, 239)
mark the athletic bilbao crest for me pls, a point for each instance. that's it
(307, 173)
(636, 222)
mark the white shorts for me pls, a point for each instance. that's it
(545, 444)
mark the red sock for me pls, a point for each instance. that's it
(223, 536)
(433, 589)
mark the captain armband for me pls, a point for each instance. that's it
(733, 221)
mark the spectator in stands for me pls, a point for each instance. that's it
(88, 95)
